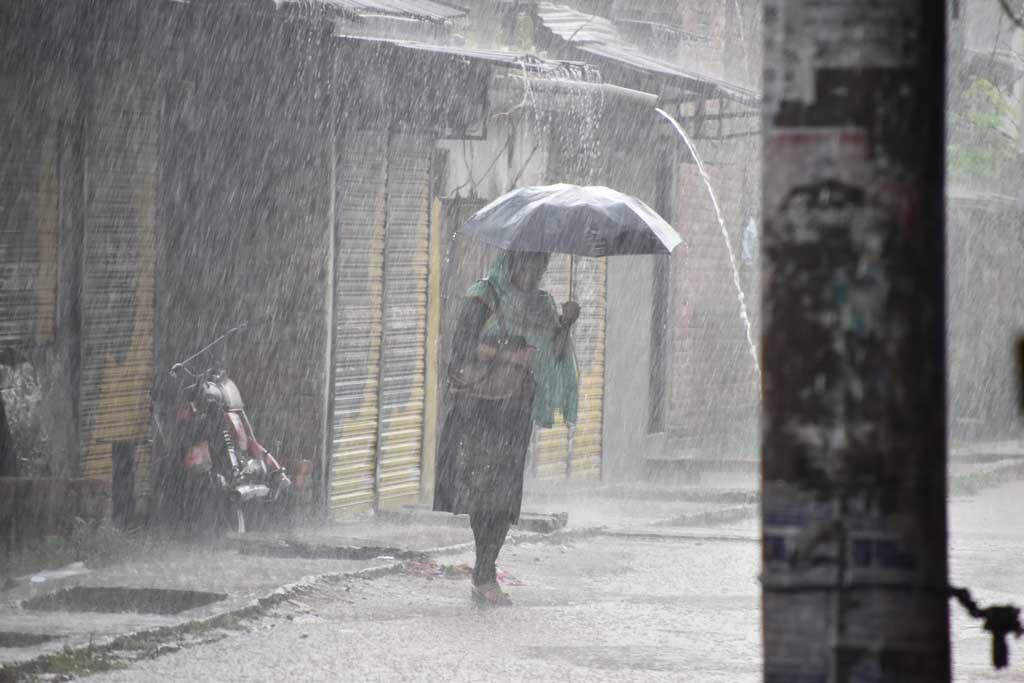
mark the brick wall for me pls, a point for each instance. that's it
(714, 396)
(708, 22)
(714, 401)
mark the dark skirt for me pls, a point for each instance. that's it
(482, 456)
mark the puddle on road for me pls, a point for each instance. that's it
(114, 599)
(292, 549)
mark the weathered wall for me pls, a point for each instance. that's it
(723, 38)
(634, 140)
(714, 399)
(627, 442)
(72, 119)
(985, 316)
(246, 233)
(985, 247)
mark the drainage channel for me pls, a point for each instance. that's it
(116, 599)
(293, 549)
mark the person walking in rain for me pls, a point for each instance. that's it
(512, 366)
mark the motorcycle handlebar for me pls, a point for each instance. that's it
(241, 327)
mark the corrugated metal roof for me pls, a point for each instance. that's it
(511, 59)
(507, 58)
(424, 10)
(419, 9)
(600, 37)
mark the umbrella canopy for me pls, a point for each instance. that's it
(569, 219)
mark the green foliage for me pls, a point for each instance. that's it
(983, 133)
(69, 661)
(96, 546)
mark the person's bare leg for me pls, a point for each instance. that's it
(489, 531)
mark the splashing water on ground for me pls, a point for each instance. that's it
(740, 296)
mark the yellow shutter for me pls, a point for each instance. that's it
(403, 373)
(358, 311)
(118, 282)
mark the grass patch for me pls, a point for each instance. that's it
(80, 662)
(123, 651)
(96, 546)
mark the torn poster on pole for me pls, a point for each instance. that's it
(854, 568)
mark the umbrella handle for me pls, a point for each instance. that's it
(572, 278)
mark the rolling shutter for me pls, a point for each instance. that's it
(382, 269)
(403, 372)
(589, 337)
(28, 225)
(117, 283)
(358, 305)
(551, 446)
(557, 454)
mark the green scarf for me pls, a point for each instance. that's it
(532, 315)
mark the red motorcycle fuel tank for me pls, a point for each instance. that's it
(224, 393)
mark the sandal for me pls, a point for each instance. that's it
(490, 595)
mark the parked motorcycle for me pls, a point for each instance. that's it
(211, 469)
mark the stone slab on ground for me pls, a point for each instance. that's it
(407, 535)
(383, 536)
(242, 581)
(248, 570)
(986, 451)
(712, 487)
(639, 506)
(536, 521)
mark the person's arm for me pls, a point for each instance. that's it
(473, 315)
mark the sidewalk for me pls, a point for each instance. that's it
(187, 586)
(192, 589)
(986, 452)
(146, 605)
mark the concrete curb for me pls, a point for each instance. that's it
(521, 538)
(694, 494)
(130, 641)
(292, 549)
(33, 666)
(537, 522)
(709, 517)
(111, 645)
(965, 484)
(659, 535)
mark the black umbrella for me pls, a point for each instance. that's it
(569, 219)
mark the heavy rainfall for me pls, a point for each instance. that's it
(459, 340)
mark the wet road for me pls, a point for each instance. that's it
(600, 609)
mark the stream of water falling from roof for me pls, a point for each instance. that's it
(740, 296)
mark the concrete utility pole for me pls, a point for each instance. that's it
(854, 521)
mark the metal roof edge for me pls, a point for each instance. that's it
(610, 46)
(345, 8)
(511, 60)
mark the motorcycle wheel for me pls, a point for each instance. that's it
(235, 519)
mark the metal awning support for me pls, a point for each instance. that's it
(854, 448)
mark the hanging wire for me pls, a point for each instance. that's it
(1017, 17)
